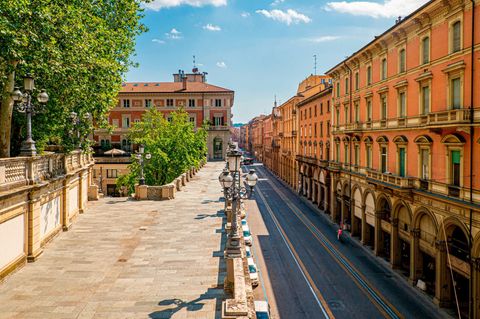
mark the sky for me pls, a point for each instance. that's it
(260, 49)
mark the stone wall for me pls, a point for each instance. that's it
(39, 196)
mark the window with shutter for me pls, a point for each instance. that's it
(456, 37)
(425, 50)
(456, 93)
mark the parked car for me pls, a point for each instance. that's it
(248, 251)
(247, 236)
(247, 161)
(244, 222)
(262, 309)
(252, 269)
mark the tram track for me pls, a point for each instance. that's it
(386, 308)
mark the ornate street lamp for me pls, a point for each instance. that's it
(251, 179)
(140, 157)
(234, 192)
(23, 104)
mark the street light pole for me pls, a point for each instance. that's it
(234, 192)
(140, 157)
(23, 104)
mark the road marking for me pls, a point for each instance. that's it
(327, 313)
(382, 304)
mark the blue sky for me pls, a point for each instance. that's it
(257, 48)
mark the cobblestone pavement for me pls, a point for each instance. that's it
(129, 259)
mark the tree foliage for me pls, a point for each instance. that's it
(175, 146)
(77, 50)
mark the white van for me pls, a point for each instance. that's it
(262, 309)
(247, 236)
(252, 269)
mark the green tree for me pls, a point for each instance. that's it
(77, 50)
(175, 146)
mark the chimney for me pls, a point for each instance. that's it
(184, 82)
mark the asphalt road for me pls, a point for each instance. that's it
(306, 273)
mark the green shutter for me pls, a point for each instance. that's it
(455, 157)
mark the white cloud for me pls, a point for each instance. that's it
(158, 41)
(325, 38)
(211, 27)
(387, 9)
(160, 4)
(245, 14)
(174, 34)
(221, 64)
(288, 17)
(276, 2)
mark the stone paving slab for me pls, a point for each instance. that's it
(130, 259)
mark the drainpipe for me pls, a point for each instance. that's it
(472, 140)
(350, 89)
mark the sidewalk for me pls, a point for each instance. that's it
(129, 259)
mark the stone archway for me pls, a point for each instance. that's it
(424, 234)
(217, 148)
(346, 204)
(368, 226)
(401, 237)
(453, 276)
(383, 227)
(337, 211)
(357, 212)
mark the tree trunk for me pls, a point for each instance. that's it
(6, 109)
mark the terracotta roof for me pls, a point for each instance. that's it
(170, 87)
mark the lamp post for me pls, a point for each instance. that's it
(140, 157)
(251, 179)
(77, 122)
(23, 104)
(234, 192)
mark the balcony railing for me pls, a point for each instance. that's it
(21, 171)
(432, 120)
(403, 182)
(218, 128)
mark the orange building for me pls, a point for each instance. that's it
(204, 102)
(314, 147)
(405, 142)
(267, 141)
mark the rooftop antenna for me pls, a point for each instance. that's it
(315, 63)
(195, 69)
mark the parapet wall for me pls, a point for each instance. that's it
(39, 197)
(165, 192)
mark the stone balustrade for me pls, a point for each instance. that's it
(403, 182)
(165, 192)
(39, 196)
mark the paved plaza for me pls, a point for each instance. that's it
(130, 259)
